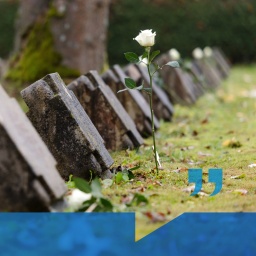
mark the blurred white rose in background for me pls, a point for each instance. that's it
(208, 52)
(198, 53)
(174, 54)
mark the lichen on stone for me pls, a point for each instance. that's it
(38, 57)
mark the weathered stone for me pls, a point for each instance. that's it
(132, 100)
(198, 76)
(66, 129)
(163, 108)
(222, 64)
(211, 76)
(106, 112)
(29, 180)
(177, 83)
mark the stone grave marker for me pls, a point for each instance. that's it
(178, 86)
(29, 180)
(106, 112)
(66, 129)
(132, 100)
(198, 76)
(222, 64)
(210, 74)
(163, 108)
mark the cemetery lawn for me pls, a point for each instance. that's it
(219, 131)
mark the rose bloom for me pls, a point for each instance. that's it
(174, 54)
(143, 62)
(198, 53)
(208, 52)
(146, 38)
(76, 198)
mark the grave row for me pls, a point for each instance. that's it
(70, 129)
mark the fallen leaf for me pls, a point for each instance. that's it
(187, 148)
(202, 194)
(233, 143)
(195, 133)
(241, 191)
(205, 121)
(181, 169)
(204, 154)
(126, 199)
(241, 176)
(191, 162)
(157, 183)
(155, 216)
(189, 189)
(139, 189)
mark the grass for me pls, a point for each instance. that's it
(217, 132)
(200, 136)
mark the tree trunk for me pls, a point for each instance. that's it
(78, 31)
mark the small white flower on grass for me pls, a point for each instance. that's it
(76, 198)
(208, 52)
(174, 54)
(146, 38)
(198, 53)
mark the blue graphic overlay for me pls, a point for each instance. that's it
(196, 176)
(112, 234)
(215, 176)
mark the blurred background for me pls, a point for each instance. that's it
(72, 37)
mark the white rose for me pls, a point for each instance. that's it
(146, 38)
(198, 53)
(174, 54)
(76, 198)
(208, 52)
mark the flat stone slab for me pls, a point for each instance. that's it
(66, 129)
(163, 108)
(106, 112)
(132, 100)
(29, 180)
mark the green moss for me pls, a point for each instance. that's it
(39, 57)
(53, 12)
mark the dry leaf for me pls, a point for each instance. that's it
(233, 143)
(202, 194)
(181, 169)
(126, 199)
(189, 189)
(241, 191)
(195, 133)
(187, 148)
(241, 176)
(157, 183)
(205, 121)
(204, 154)
(155, 216)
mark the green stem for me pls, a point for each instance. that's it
(152, 112)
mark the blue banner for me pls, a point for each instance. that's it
(112, 234)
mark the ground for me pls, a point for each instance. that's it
(217, 132)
